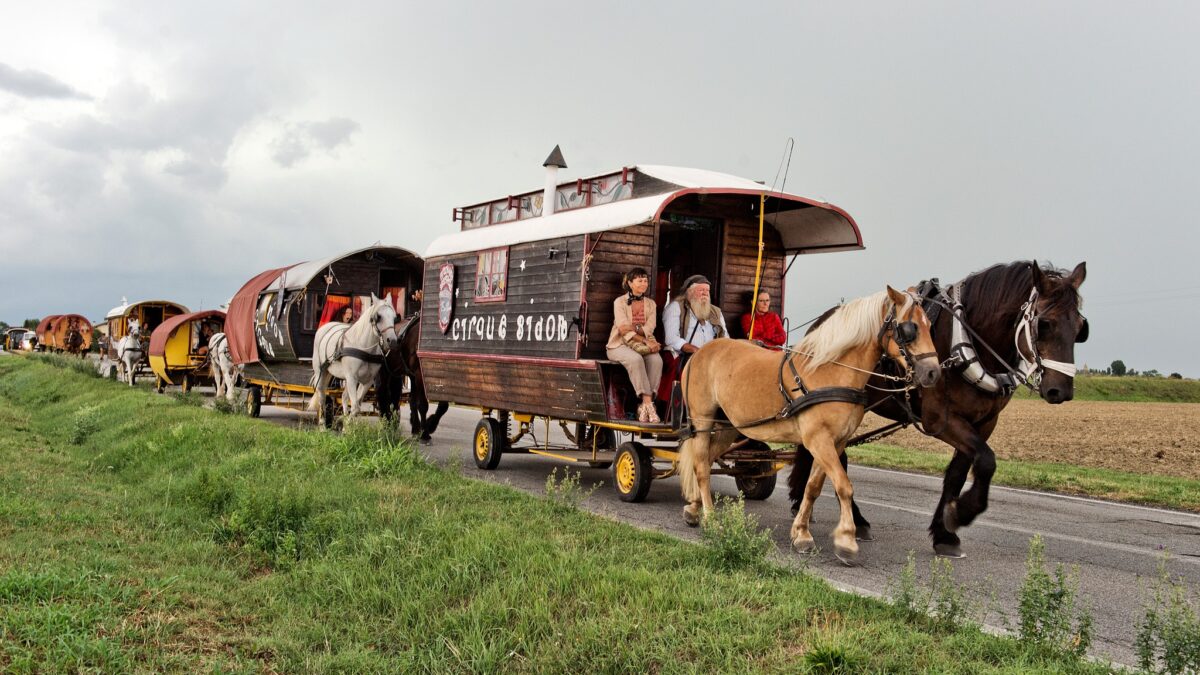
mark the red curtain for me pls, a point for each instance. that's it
(334, 304)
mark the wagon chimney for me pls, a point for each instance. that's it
(553, 163)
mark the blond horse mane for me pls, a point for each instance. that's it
(853, 324)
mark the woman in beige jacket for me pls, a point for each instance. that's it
(634, 318)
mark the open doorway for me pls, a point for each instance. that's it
(687, 245)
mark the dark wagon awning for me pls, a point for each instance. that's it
(239, 321)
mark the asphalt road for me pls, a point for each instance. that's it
(1117, 547)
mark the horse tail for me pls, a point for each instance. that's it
(687, 471)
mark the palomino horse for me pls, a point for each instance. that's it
(400, 363)
(221, 367)
(820, 382)
(353, 354)
(1020, 312)
(130, 353)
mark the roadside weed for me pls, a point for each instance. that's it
(1168, 637)
(1048, 605)
(567, 491)
(84, 423)
(732, 537)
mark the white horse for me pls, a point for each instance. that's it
(353, 354)
(130, 353)
(221, 366)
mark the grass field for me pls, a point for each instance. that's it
(1131, 389)
(141, 532)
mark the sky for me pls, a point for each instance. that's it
(174, 150)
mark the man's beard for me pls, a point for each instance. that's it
(700, 307)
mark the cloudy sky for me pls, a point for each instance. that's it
(176, 149)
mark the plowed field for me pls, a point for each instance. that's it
(1151, 438)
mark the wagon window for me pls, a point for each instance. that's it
(264, 308)
(491, 276)
(311, 302)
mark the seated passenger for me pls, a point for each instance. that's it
(206, 333)
(768, 327)
(347, 315)
(691, 321)
(632, 341)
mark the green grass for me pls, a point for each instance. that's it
(159, 536)
(1130, 389)
(1166, 491)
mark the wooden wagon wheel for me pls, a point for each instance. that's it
(253, 400)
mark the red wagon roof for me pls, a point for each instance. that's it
(239, 322)
(44, 324)
(158, 339)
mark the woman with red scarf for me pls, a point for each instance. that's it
(768, 327)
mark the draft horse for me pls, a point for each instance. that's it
(1019, 313)
(812, 395)
(401, 363)
(352, 353)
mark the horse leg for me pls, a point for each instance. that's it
(798, 478)
(802, 539)
(969, 449)
(825, 452)
(692, 453)
(431, 423)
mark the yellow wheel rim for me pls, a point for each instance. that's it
(626, 472)
(481, 444)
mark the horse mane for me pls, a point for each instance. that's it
(851, 325)
(1000, 290)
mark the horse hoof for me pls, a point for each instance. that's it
(863, 534)
(847, 557)
(426, 441)
(950, 517)
(948, 551)
(692, 519)
(804, 546)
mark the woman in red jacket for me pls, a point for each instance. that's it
(768, 327)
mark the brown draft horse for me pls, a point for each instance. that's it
(399, 363)
(964, 415)
(748, 385)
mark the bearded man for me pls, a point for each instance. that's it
(691, 321)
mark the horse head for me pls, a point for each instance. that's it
(1050, 327)
(383, 319)
(905, 338)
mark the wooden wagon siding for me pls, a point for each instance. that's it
(571, 390)
(613, 254)
(549, 288)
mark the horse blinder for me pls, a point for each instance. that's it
(1082, 336)
(906, 333)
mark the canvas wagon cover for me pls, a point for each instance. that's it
(239, 321)
(158, 339)
(44, 325)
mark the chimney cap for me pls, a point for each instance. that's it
(555, 159)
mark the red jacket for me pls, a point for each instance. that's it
(767, 327)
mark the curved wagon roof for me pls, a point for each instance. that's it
(122, 310)
(15, 329)
(45, 324)
(158, 339)
(805, 225)
(239, 321)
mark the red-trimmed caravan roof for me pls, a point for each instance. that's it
(239, 321)
(158, 339)
(804, 225)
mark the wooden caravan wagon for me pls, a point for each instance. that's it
(43, 330)
(149, 315)
(173, 349)
(525, 305)
(273, 319)
(60, 332)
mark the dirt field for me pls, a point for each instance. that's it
(1153, 438)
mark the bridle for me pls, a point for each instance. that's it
(904, 334)
(1031, 368)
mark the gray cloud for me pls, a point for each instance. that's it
(300, 140)
(36, 84)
